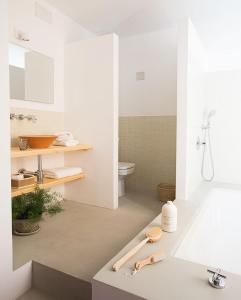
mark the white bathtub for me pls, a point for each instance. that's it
(214, 238)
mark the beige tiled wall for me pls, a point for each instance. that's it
(48, 123)
(150, 142)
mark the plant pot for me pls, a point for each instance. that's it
(25, 227)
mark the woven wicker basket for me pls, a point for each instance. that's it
(166, 192)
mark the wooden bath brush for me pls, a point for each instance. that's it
(152, 235)
(150, 260)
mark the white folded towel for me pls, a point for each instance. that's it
(66, 139)
(57, 173)
(66, 143)
(64, 136)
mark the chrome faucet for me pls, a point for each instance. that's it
(37, 173)
(217, 280)
(21, 117)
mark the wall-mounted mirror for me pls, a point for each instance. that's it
(31, 75)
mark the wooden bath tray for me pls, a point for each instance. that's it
(28, 180)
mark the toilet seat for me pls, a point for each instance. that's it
(125, 166)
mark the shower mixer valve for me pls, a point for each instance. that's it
(200, 143)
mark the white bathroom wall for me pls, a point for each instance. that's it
(223, 92)
(155, 54)
(191, 106)
(91, 93)
(12, 284)
(220, 36)
(46, 38)
(182, 79)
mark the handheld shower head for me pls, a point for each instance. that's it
(207, 118)
(211, 114)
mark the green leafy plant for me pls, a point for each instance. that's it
(33, 205)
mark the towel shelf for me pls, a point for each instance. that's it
(16, 153)
(47, 183)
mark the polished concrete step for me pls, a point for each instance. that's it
(50, 284)
(59, 285)
(35, 294)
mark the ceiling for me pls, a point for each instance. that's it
(100, 16)
(218, 22)
(135, 16)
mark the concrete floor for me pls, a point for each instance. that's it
(83, 238)
(35, 294)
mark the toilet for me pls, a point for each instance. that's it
(124, 169)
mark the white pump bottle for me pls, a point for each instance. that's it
(169, 217)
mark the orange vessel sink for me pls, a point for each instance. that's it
(39, 141)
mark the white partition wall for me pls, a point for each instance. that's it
(12, 284)
(91, 114)
(5, 202)
(191, 106)
(223, 94)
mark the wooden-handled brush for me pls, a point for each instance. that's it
(153, 235)
(150, 260)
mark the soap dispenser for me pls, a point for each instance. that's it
(169, 217)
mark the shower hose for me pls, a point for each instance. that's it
(205, 153)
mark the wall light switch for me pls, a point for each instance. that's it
(140, 75)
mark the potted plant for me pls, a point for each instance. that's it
(27, 209)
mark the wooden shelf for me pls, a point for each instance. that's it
(16, 153)
(47, 184)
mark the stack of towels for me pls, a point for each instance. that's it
(66, 139)
(57, 173)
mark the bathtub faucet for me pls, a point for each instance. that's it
(217, 280)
